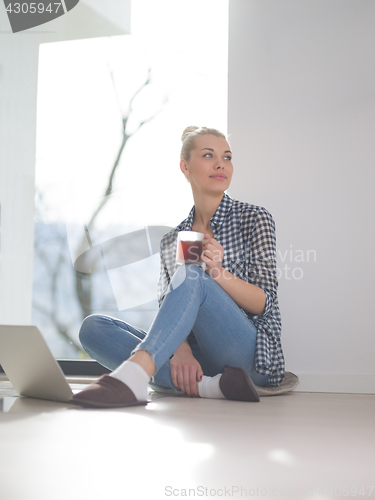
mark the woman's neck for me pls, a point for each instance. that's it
(205, 207)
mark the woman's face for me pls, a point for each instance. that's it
(209, 168)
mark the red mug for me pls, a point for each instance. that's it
(189, 247)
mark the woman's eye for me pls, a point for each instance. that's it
(210, 155)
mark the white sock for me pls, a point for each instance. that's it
(208, 387)
(135, 377)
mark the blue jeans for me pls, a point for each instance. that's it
(195, 308)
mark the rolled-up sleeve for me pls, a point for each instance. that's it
(163, 280)
(167, 263)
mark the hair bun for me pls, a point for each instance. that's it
(188, 131)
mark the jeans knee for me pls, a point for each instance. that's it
(88, 327)
(188, 275)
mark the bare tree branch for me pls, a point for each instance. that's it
(83, 281)
(147, 82)
(147, 121)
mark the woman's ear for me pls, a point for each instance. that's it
(183, 167)
(185, 170)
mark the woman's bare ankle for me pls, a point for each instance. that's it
(144, 359)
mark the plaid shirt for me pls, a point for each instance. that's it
(247, 234)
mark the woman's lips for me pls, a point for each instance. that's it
(219, 177)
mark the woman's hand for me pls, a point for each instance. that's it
(213, 254)
(186, 371)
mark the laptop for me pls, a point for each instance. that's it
(30, 365)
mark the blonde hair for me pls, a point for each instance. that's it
(190, 134)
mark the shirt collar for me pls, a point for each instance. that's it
(222, 211)
(216, 220)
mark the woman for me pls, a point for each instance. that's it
(217, 332)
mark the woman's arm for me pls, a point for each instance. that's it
(249, 297)
(257, 290)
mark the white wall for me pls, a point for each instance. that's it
(18, 105)
(301, 115)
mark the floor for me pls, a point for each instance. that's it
(297, 445)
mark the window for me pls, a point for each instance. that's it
(111, 112)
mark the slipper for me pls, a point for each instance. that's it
(106, 392)
(236, 385)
